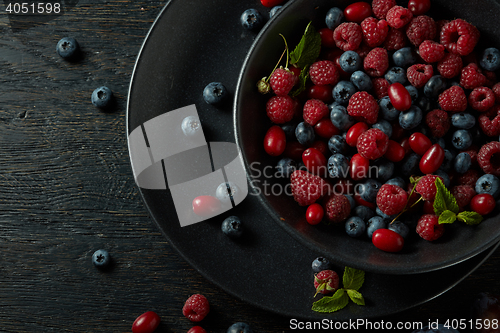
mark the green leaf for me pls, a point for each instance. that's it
(353, 278)
(447, 217)
(308, 49)
(444, 200)
(471, 218)
(304, 75)
(332, 303)
(356, 296)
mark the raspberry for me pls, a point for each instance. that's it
(391, 199)
(471, 77)
(337, 208)
(196, 308)
(438, 122)
(463, 194)
(489, 121)
(376, 62)
(395, 40)
(468, 178)
(439, 26)
(429, 228)
(481, 99)
(314, 111)
(374, 31)
(380, 86)
(282, 81)
(459, 36)
(453, 99)
(326, 282)
(307, 188)
(421, 28)
(363, 107)
(398, 16)
(430, 51)
(381, 7)
(489, 158)
(450, 66)
(280, 109)
(363, 50)
(419, 74)
(372, 144)
(496, 91)
(324, 72)
(348, 36)
(426, 187)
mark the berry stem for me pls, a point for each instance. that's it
(405, 209)
(287, 56)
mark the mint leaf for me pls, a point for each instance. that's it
(356, 296)
(304, 75)
(353, 278)
(307, 51)
(447, 217)
(444, 199)
(332, 303)
(471, 218)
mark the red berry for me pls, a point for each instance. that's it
(489, 158)
(354, 132)
(206, 205)
(314, 161)
(489, 121)
(400, 97)
(395, 152)
(327, 37)
(320, 145)
(324, 72)
(322, 92)
(391, 199)
(453, 99)
(395, 40)
(294, 150)
(326, 282)
(196, 329)
(421, 28)
(325, 128)
(432, 159)
(282, 81)
(428, 207)
(376, 62)
(450, 66)
(438, 122)
(429, 228)
(314, 214)
(348, 36)
(387, 240)
(430, 51)
(196, 308)
(374, 31)
(419, 143)
(363, 107)
(463, 194)
(359, 167)
(357, 12)
(419, 74)
(307, 188)
(146, 323)
(398, 17)
(337, 208)
(471, 77)
(419, 7)
(314, 110)
(459, 36)
(381, 7)
(483, 204)
(280, 109)
(405, 143)
(275, 141)
(372, 144)
(426, 187)
(361, 202)
(271, 3)
(481, 99)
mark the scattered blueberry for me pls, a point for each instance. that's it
(102, 97)
(462, 163)
(285, 167)
(239, 328)
(398, 181)
(461, 139)
(226, 191)
(488, 183)
(334, 17)
(343, 91)
(424, 103)
(350, 61)
(337, 144)
(413, 93)
(396, 74)
(463, 120)
(444, 175)
(214, 93)
(449, 158)
(385, 169)
(388, 111)
(363, 212)
(352, 202)
(338, 166)
(67, 48)
(435, 86)
(404, 57)
(490, 59)
(369, 189)
(374, 224)
(191, 126)
(400, 228)
(340, 118)
(274, 10)
(355, 226)
(232, 227)
(320, 264)
(387, 218)
(304, 133)
(384, 126)
(440, 141)
(251, 19)
(411, 118)
(410, 164)
(101, 259)
(361, 80)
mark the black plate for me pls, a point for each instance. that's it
(190, 44)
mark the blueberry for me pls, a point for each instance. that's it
(374, 224)
(102, 97)
(350, 61)
(398, 181)
(337, 144)
(424, 103)
(191, 126)
(338, 166)
(387, 218)
(410, 118)
(385, 169)
(387, 110)
(396, 74)
(239, 327)
(343, 91)
(363, 212)
(361, 80)
(384, 126)
(444, 175)
(369, 189)
(488, 183)
(463, 120)
(404, 57)
(440, 141)
(400, 228)
(67, 48)
(462, 163)
(251, 19)
(232, 227)
(289, 130)
(461, 139)
(409, 164)
(101, 259)
(413, 93)
(285, 167)
(226, 191)
(340, 118)
(320, 264)
(352, 202)
(304, 133)
(274, 10)
(355, 226)
(334, 17)
(447, 164)
(214, 93)
(435, 86)
(490, 59)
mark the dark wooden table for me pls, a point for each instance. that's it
(67, 190)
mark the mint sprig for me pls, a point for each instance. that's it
(308, 49)
(352, 280)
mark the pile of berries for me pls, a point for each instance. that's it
(393, 96)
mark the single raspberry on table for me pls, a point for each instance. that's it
(426, 187)
(459, 36)
(348, 36)
(380, 87)
(395, 40)
(496, 91)
(428, 227)
(282, 81)
(376, 62)
(363, 107)
(307, 188)
(314, 111)
(489, 121)
(381, 7)
(196, 308)
(372, 144)
(489, 158)
(280, 109)
(326, 282)
(471, 77)
(398, 16)
(374, 31)
(419, 74)
(463, 194)
(453, 99)
(430, 51)
(481, 99)
(470, 178)
(324, 72)
(438, 122)
(450, 66)
(337, 208)
(421, 28)
(391, 199)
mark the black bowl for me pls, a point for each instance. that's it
(460, 241)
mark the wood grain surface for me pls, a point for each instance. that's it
(67, 190)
